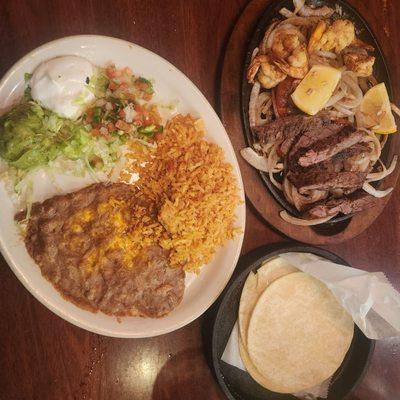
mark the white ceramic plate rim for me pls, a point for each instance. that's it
(241, 214)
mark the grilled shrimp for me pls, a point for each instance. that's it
(268, 74)
(255, 66)
(335, 37)
(296, 65)
(284, 44)
(290, 53)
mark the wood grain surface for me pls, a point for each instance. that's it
(43, 357)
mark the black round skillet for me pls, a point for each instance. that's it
(238, 384)
(380, 69)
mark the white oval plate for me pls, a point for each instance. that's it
(202, 290)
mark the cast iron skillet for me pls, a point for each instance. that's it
(380, 71)
(238, 384)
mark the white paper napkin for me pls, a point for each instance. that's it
(369, 297)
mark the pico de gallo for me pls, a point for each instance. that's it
(123, 107)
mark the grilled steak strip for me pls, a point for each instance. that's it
(289, 127)
(353, 203)
(309, 138)
(339, 162)
(326, 148)
(325, 180)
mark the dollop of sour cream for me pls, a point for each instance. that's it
(60, 85)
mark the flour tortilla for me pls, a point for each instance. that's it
(255, 285)
(298, 333)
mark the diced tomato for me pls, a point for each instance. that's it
(110, 72)
(138, 122)
(147, 96)
(121, 113)
(123, 86)
(158, 136)
(89, 115)
(120, 124)
(130, 96)
(138, 108)
(95, 132)
(113, 86)
(141, 85)
(110, 127)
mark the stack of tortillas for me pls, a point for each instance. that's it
(294, 334)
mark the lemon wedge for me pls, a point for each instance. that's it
(316, 88)
(376, 110)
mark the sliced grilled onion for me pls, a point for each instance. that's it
(264, 102)
(377, 176)
(274, 181)
(360, 120)
(324, 12)
(315, 59)
(254, 159)
(350, 79)
(383, 139)
(263, 45)
(302, 21)
(303, 222)
(337, 96)
(274, 107)
(286, 13)
(374, 192)
(255, 90)
(347, 97)
(298, 5)
(343, 110)
(395, 109)
(255, 52)
(327, 54)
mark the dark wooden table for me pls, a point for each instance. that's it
(43, 357)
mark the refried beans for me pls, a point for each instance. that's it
(98, 247)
